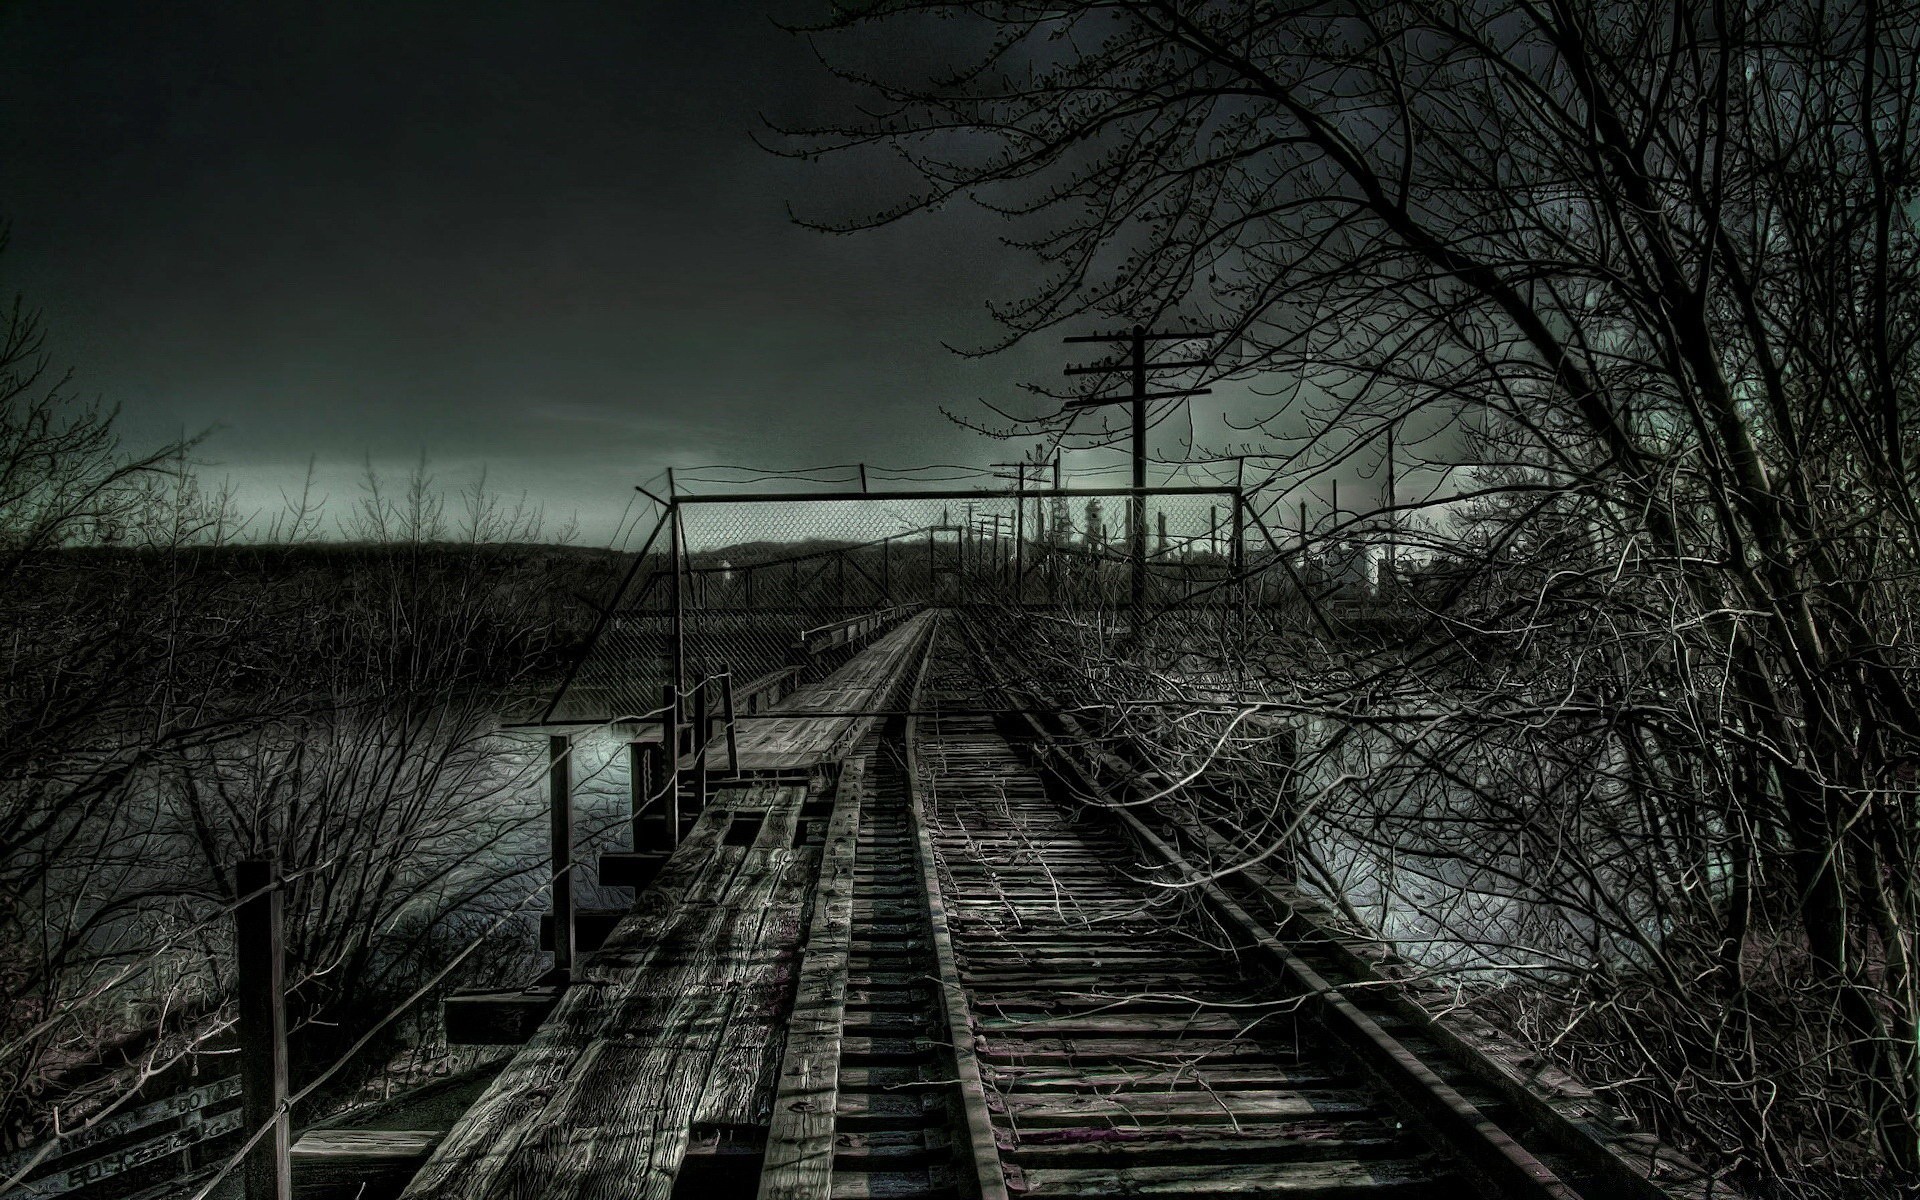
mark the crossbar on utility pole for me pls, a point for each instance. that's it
(259, 950)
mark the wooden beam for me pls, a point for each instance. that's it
(366, 1164)
(259, 950)
(633, 868)
(800, 1139)
(560, 811)
(506, 1018)
(590, 927)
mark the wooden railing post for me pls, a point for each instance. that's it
(702, 730)
(726, 707)
(643, 785)
(259, 947)
(560, 811)
(670, 761)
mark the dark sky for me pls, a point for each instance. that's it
(536, 236)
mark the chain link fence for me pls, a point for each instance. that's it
(772, 587)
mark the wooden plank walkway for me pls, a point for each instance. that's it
(676, 1028)
(795, 742)
(676, 1023)
(800, 1138)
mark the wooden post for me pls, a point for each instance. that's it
(670, 750)
(701, 729)
(726, 708)
(560, 813)
(643, 784)
(259, 950)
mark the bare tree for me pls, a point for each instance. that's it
(177, 697)
(1633, 286)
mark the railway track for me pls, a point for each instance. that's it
(895, 1117)
(1005, 999)
(1026, 1015)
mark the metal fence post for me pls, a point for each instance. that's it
(259, 947)
(677, 548)
(1238, 565)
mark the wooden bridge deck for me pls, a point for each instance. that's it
(673, 1027)
(993, 1002)
(794, 741)
(669, 1041)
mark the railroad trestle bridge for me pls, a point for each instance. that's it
(900, 926)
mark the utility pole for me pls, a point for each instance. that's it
(1061, 522)
(1137, 365)
(1019, 478)
(1387, 579)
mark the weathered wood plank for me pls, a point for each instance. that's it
(496, 1018)
(110, 1163)
(1160, 1107)
(358, 1163)
(1290, 1141)
(801, 742)
(800, 1137)
(1345, 1178)
(603, 1096)
(121, 1124)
